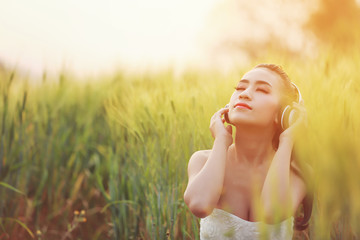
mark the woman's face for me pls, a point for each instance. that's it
(256, 100)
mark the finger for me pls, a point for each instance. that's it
(229, 129)
(221, 112)
(299, 104)
(218, 115)
(300, 119)
(299, 107)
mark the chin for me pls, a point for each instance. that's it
(240, 122)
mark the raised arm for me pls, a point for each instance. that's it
(283, 189)
(206, 171)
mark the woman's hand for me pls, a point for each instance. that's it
(218, 129)
(299, 122)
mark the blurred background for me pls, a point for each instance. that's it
(103, 103)
(92, 37)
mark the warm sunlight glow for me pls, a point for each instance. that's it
(92, 36)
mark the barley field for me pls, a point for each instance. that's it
(107, 159)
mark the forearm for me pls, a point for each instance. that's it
(276, 190)
(204, 190)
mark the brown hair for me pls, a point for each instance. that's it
(290, 95)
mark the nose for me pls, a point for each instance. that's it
(245, 94)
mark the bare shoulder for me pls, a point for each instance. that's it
(199, 157)
(201, 154)
(197, 162)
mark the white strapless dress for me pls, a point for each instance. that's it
(224, 225)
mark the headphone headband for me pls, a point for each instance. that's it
(298, 92)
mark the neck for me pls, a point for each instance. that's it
(253, 145)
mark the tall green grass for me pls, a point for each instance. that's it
(118, 148)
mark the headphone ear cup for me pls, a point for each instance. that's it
(288, 117)
(289, 114)
(285, 117)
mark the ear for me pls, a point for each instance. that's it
(276, 120)
(277, 117)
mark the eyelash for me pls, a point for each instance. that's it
(259, 89)
(239, 88)
(263, 90)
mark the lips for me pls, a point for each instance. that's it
(242, 105)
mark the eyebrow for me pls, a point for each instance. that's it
(256, 82)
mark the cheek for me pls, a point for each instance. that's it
(271, 108)
(232, 98)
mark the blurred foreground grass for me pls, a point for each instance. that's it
(118, 149)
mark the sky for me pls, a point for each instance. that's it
(91, 37)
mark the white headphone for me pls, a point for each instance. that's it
(289, 112)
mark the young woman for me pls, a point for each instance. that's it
(250, 186)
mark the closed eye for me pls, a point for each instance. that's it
(262, 90)
(239, 88)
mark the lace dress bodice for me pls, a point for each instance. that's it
(223, 225)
